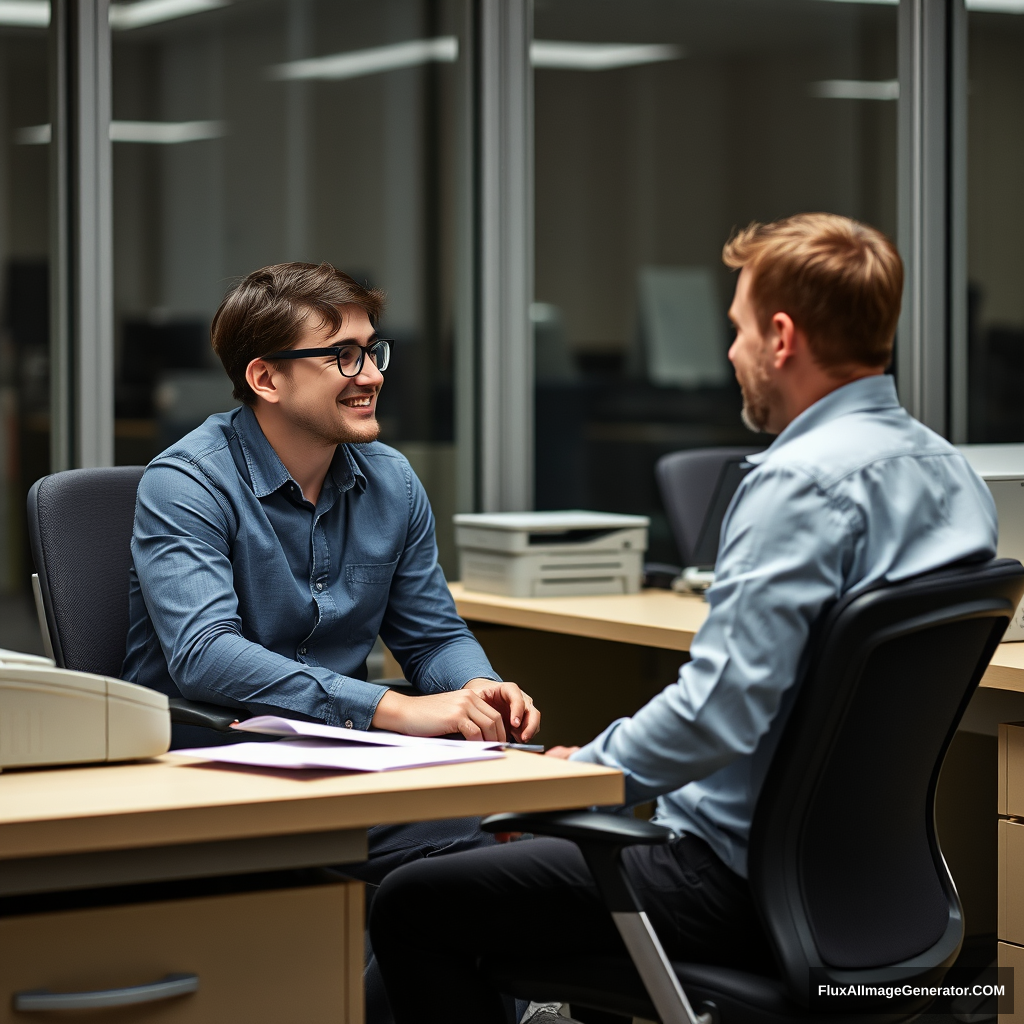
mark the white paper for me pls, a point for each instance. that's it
(272, 725)
(315, 754)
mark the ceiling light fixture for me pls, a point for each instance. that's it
(160, 132)
(570, 56)
(850, 89)
(372, 61)
(149, 12)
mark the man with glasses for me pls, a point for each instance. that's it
(275, 542)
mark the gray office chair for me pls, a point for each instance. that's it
(845, 866)
(689, 483)
(80, 527)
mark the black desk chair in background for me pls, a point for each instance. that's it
(844, 862)
(696, 487)
(80, 529)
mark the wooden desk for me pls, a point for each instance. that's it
(262, 951)
(652, 618)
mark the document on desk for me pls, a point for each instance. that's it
(328, 755)
(273, 725)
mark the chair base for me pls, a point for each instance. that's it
(613, 985)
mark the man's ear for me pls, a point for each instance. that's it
(262, 378)
(784, 339)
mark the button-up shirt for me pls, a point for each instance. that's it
(245, 594)
(854, 491)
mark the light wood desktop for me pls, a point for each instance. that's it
(652, 618)
(264, 953)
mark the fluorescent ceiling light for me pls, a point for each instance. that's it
(849, 89)
(598, 56)
(150, 12)
(36, 13)
(161, 132)
(356, 63)
(25, 13)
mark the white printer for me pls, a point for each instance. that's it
(551, 554)
(1001, 466)
(51, 716)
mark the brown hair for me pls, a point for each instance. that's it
(267, 311)
(840, 281)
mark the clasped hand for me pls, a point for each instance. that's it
(482, 710)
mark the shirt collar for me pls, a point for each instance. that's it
(267, 473)
(869, 394)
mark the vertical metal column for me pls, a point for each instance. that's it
(504, 128)
(931, 355)
(81, 295)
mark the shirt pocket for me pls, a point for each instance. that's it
(376, 573)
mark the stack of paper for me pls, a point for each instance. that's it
(327, 747)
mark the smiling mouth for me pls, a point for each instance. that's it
(358, 401)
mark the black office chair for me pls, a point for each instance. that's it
(844, 863)
(80, 528)
(688, 482)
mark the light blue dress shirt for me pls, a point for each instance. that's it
(244, 594)
(854, 491)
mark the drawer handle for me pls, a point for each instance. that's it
(168, 987)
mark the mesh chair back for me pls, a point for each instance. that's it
(844, 860)
(687, 482)
(80, 528)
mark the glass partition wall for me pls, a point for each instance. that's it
(24, 311)
(273, 130)
(995, 222)
(659, 128)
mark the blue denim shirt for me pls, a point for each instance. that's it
(852, 492)
(244, 594)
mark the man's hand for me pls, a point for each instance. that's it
(563, 752)
(521, 719)
(439, 714)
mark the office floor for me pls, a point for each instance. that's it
(19, 628)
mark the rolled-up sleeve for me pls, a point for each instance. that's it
(774, 576)
(181, 549)
(421, 627)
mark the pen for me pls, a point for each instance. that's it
(534, 748)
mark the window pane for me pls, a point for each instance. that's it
(709, 115)
(25, 334)
(995, 211)
(276, 130)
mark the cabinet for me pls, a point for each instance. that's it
(260, 957)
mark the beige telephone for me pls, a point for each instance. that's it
(51, 716)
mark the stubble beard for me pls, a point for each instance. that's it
(758, 393)
(329, 432)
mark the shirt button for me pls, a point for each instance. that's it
(302, 650)
(348, 723)
(319, 586)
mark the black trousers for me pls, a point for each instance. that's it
(433, 920)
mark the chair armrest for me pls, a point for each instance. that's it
(209, 716)
(591, 827)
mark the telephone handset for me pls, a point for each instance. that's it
(51, 716)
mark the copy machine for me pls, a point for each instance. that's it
(51, 716)
(551, 554)
(1001, 466)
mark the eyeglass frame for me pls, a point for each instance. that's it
(335, 350)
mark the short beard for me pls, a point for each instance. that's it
(331, 433)
(758, 395)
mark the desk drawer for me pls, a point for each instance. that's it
(1011, 769)
(261, 957)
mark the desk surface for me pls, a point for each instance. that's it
(173, 799)
(652, 618)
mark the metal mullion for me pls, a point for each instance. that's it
(504, 127)
(931, 354)
(82, 365)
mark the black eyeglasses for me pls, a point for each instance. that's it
(349, 356)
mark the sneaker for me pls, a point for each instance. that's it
(545, 1013)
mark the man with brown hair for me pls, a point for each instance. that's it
(275, 542)
(852, 491)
